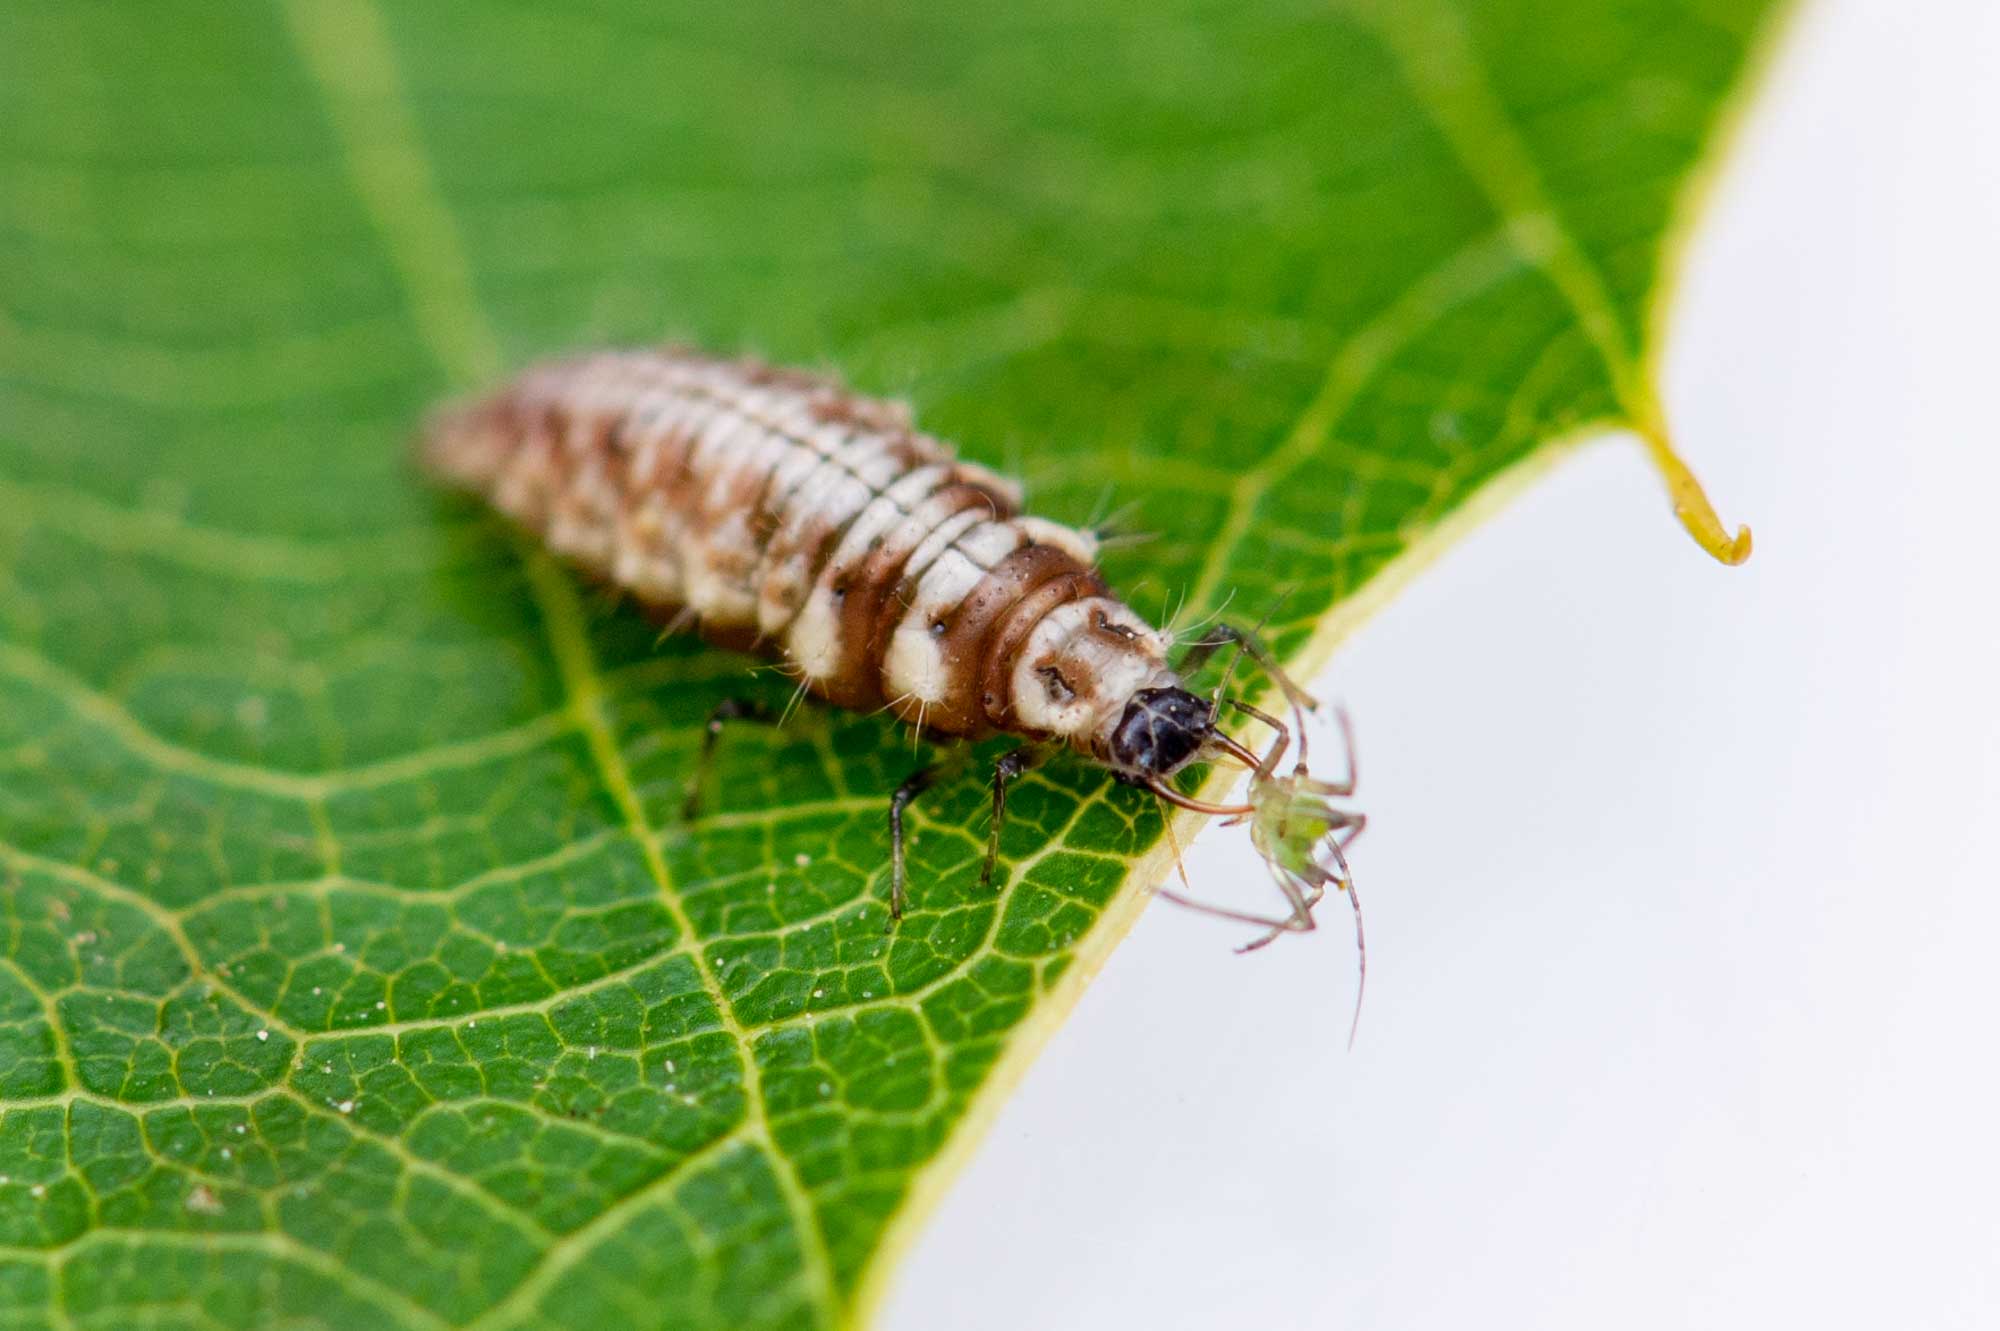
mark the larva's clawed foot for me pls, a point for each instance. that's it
(915, 784)
(1011, 764)
(729, 709)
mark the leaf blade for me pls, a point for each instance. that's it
(369, 817)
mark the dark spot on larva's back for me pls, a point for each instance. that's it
(1104, 624)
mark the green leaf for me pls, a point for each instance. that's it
(357, 968)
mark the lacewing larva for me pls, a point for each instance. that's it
(775, 511)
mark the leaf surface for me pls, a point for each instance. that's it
(355, 966)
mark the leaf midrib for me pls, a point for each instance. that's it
(347, 52)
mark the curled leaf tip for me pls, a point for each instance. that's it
(1690, 501)
(1712, 536)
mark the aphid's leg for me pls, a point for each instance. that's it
(915, 784)
(729, 709)
(1289, 924)
(1269, 764)
(1011, 764)
(1223, 635)
(1344, 787)
(1354, 825)
(1305, 900)
(1201, 649)
(1301, 898)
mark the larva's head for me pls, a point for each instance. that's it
(1081, 670)
(1160, 732)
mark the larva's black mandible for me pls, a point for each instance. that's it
(775, 511)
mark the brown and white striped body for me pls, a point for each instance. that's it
(779, 511)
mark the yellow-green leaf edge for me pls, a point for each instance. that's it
(1152, 869)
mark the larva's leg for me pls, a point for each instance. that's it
(915, 784)
(729, 709)
(1011, 765)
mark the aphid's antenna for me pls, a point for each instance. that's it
(1361, 956)
(1228, 678)
(1252, 642)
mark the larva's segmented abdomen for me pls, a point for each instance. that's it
(779, 510)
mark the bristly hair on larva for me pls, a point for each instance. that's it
(777, 512)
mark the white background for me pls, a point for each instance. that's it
(1683, 887)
